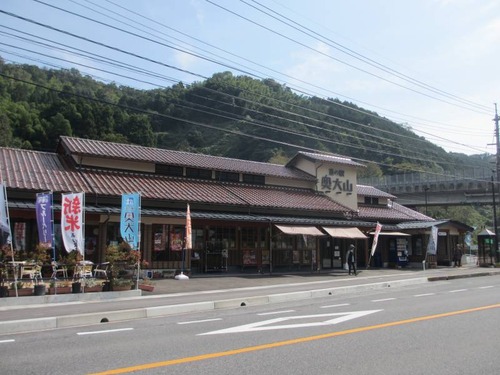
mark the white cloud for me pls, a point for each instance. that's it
(312, 66)
(184, 60)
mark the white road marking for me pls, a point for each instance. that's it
(458, 290)
(272, 324)
(383, 300)
(339, 305)
(276, 312)
(199, 321)
(486, 287)
(424, 295)
(5, 341)
(105, 331)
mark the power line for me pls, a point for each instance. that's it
(361, 57)
(338, 60)
(196, 123)
(307, 93)
(203, 77)
(309, 118)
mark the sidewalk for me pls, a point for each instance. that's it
(204, 293)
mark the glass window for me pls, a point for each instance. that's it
(205, 174)
(249, 238)
(169, 170)
(227, 176)
(371, 200)
(306, 242)
(254, 179)
(283, 242)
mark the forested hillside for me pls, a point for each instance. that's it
(227, 115)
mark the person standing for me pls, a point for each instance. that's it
(351, 259)
(458, 256)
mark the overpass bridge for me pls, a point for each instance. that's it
(473, 187)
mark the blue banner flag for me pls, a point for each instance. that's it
(44, 218)
(130, 219)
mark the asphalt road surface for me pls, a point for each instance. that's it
(434, 328)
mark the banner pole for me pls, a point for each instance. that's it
(9, 238)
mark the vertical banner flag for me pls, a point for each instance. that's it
(72, 221)
(5, 233)
(129, 219)
(432, 245)
(44, 218)
(378, 228)
(189, 240)
(20, 236)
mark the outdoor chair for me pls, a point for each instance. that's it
(59, 269)
(33, 271)
(101, 270)
(83, 270)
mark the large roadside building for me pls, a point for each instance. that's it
(246, 216)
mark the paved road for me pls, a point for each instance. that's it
(207, 292)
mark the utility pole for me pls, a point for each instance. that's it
(494, 187)
(497, 141)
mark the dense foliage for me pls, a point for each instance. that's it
(38, 105)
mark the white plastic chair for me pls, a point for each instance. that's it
(101, 270)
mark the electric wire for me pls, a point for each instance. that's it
(205, 77)
(244, 71)
(339, 60)
(391, 154)
(234, 132)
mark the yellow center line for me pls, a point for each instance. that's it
(249, 349)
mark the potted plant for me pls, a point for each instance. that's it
(39, 288)
(40, 256)
(120, 284)
(90, 284)
(146, 284)
(22, 289)
(4, 289)
(122, 260)
(60, 287)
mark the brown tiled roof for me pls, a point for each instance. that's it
(34, 171)
(178, 189)
(408, 211)
(337, 159)
(38, 171)
(396, 212)
(110, 150)
(370, 191)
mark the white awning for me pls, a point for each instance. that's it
(396, 234)
(309, 231)
(344, 232)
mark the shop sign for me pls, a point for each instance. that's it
(335, 181)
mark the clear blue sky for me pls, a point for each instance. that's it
(429, 64)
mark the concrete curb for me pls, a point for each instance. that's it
(77, 297)
(463, 276)
(39, 324)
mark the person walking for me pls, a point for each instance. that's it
(351, 259)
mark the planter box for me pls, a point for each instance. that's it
(121, 288)
(146, 287)
(21, 292)
(60, 290)
(95, 288)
